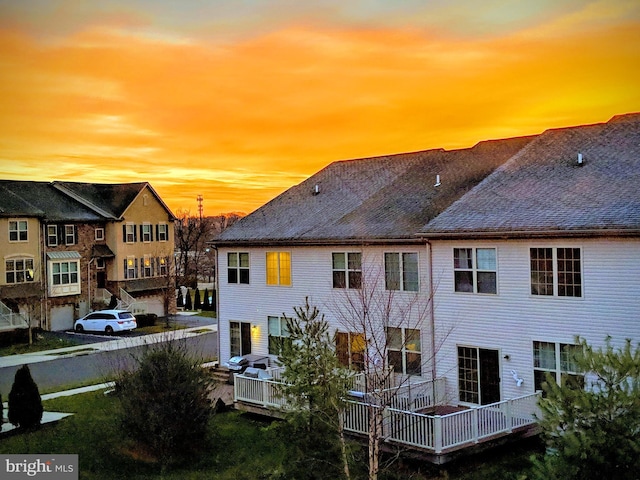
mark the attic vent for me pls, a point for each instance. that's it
(437, 184)
(316, 189)
(580, 159)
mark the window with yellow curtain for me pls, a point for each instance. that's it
(278, 268)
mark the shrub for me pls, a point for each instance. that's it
(1, 413)
(206, 304)
(165, 405)
(25, 404)
(187, 302)
(146, 319)
(180, 301)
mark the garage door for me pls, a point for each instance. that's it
(62, 318)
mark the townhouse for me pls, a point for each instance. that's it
(70, 247)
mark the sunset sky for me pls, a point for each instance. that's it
(238, 100)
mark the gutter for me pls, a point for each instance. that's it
(317, 242)
(528, 234)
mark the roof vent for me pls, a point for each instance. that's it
(437, 184)
(316, 189)
(580, 159)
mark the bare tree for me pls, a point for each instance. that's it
(389, 325)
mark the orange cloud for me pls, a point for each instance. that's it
(240, 122)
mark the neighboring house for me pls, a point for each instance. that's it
(84, 243)
(515, 247)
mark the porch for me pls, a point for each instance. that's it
(415, 415)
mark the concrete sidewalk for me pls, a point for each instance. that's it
(113, 343)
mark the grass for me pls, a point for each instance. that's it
(241, 447)
(42, 341)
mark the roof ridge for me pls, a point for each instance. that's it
(63, 189)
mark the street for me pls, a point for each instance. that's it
(95, 366)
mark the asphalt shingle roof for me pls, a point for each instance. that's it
(375, 199)
(543, 190)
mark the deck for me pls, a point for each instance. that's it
(415, 417)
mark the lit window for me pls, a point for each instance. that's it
(350, 349)
(19, 270)
(405, 350)
(278, 268)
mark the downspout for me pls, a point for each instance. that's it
(43, 278)
(217, 296)
(89, 282)
(432, 323)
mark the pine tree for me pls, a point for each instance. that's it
(187, 302)
(25, 404)
(206, 304)
(197, 303)
(180, 301)
(315, 386)
(591, 429)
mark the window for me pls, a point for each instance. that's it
(129, 233)
(401, 271)
(278, 268)
(18, 231)
(478, 375)
(145, 232)
(278, 334)
(556, 272)
(347, 270)
(52, 235)
(404, 350)
(162, 233)
(474, 270)
(468, 383)
(162, 266)
(558, 360)
(130, 267)
(238, 267)
(64, 273)
(70, 235)
(19, 270)
(147, 266)
(99, 234)
(100, 263)
(350, 349)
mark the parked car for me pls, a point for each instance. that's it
(107, 321)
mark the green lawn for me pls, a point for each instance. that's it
(241, 447)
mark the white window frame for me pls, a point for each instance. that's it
(25, 274)
(348, 271)
(146, 232)
(163, 232)
(69, 234)
(52, 235)
(68, 279)
(403, 349)
(278, 333)
(146, 269)
(99, 234)
(561, 363)
(238, 268)
(279, 259)
(130, 233)
(17, 231)
(475, 270)
(163, 266)
(131, 268)
(556, 291)
(402, 272)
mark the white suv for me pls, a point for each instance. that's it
(107, 321)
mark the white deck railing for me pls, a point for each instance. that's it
(9, 320)
(401, 422)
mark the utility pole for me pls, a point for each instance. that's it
(200, 206)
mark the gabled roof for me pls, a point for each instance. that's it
(379, 199)
(543, 191)
(110, 200)
(40, 199)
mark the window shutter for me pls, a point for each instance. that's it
(61, 237)
(125, 269)
(142, 267)
(135, 234)
(157, 233)
(75, 234)
(136, 269)
(151, 232)
(124, 234)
